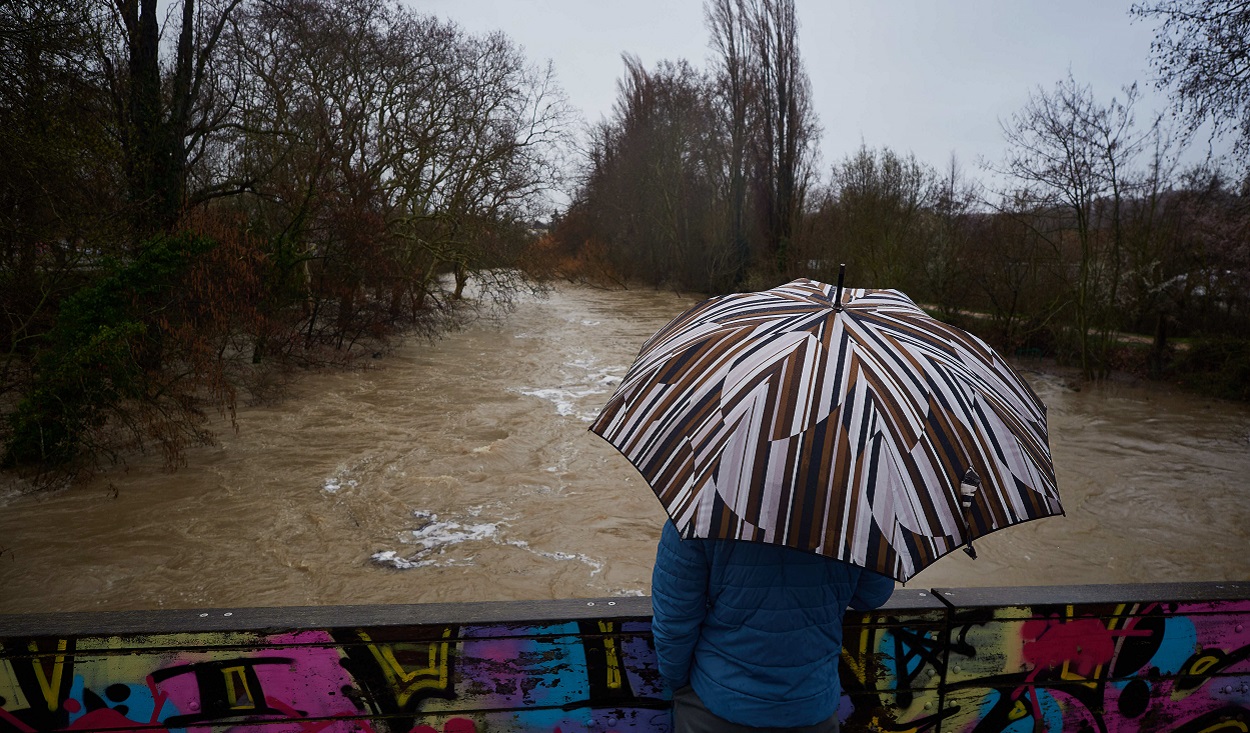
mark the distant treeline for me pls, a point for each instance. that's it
(198, 197)
(193, 202)
(705, 180)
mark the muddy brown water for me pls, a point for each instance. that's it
(462, 470)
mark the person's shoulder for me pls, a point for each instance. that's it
(872, 590)
(673, 548)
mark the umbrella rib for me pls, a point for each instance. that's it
(865, 425)
(890, 353)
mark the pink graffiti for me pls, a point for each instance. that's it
(310, 726)
(12, 720)
(1085, 643)
(308, 686)
(1049, 643)
(454, 725)
(313, 680)
(110, 719)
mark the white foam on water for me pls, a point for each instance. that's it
(595, 565)
(608, 379)
(333, 484)
(342, 477)
(392, 558)
(435, 536)
(565, 400)
(583, 378)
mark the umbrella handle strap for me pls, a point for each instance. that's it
(968, 487)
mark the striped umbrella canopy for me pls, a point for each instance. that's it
(852, 425)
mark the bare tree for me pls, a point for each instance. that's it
(300, 176)
(1015, 271)
(652, 192)
(736, 82)
(1201, 52)
(164, 123)
(764, 102)
(1073, 156)
(786, 125)
(947, 239)
(880, 199)
(391, 148)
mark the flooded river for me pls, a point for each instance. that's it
(462, 470)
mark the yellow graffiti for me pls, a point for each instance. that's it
(237, 701)
(10, 690)
(1202, 664)
(406, 682)
(1227, 725)
(1018, 711)
(1066, 674)
(857, 667)
(51, 689)
(611, 657)
(1197, 668)
(876, 724)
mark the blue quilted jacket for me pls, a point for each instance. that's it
(755, 629)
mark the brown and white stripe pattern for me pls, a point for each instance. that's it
(772, 417)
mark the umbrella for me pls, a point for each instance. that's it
(846, 423)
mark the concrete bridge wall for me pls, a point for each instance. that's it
(1086, 659)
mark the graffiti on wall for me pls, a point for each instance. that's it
(1105, 668)
(558, 677)
(1113, 668)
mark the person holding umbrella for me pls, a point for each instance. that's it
(811, 445)
(748, 635)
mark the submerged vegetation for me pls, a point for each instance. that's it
(195, 203)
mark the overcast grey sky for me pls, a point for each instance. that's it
(929, 77)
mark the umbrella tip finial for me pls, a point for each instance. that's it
(837, 297)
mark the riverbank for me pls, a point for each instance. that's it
(1215, 367)
(462, 470)
(1192, 370)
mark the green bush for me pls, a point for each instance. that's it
(1216, 366)
(103, 352)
